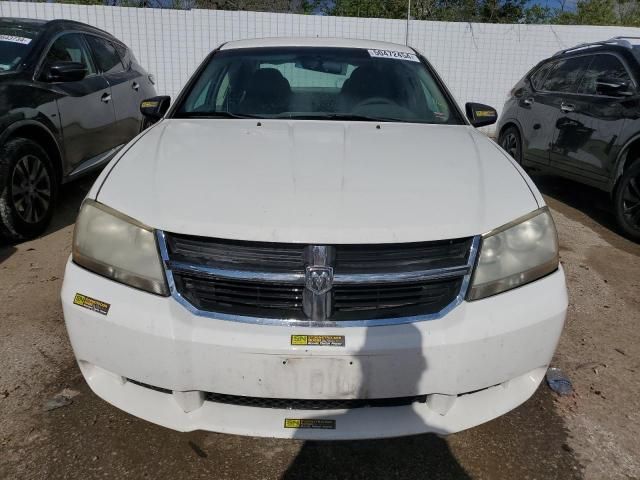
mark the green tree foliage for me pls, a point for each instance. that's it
(590, 12)
(587, 12)
(538, 14)
(253, 5)
(84, 2)
(628, 11)
(496, 11)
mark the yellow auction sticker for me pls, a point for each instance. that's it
(318, 340)
(319, 423)
(92, 304)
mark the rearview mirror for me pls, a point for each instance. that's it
(325, 66)
(612, 87)
(65, 72)
(481, 115)
(154, 108)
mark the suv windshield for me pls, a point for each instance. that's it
(15, 43)
(318, 83)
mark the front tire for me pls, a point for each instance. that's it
(28, 190)
(511, 143)
(627, 201)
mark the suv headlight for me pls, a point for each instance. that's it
(515, 254)
(118, 247)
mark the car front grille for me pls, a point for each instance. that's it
(296, 403)
(305, 404)
(230, 254)
(352, 302)
(355, 283)
(262, 299)
(401, 257)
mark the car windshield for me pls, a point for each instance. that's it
(318, 83)
(15, 43)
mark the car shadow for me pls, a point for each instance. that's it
(70, 198)
(6, 251)
(417, 456)
(587, 205)
(591, 201)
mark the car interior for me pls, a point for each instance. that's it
(298, 89)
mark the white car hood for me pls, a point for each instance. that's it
(316, 181)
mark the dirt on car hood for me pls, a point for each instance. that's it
(316, 181)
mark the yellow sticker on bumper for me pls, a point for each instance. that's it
(319, 423)
(92, 304)
(318, 340)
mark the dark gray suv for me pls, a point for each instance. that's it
(69, 100)
(577, 114)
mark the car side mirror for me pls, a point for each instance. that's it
(65, 72)
(481, 115)
(613, 87)
(154, 108)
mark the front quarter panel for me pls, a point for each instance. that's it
(23, 103)
(629, 136)
(148, 89)
(509, 114)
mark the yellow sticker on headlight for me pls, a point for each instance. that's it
(92, 304)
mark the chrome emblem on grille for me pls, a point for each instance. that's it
(318, 280)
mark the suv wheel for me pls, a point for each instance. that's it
(510, 142)
(627, 201)
(28, 189)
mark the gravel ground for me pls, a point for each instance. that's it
(592, 434)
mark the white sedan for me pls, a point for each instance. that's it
(314, 241)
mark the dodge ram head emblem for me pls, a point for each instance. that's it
(319, 280)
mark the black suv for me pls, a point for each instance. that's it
(69, 100)
(577, 114)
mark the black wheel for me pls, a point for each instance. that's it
(627, 201)
(510, 142)
(28, 189)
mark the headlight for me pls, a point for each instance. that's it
(118, 247)
(517, 253)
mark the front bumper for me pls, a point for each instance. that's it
(479, 361)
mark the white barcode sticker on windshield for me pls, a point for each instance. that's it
(375, 52)
(15, 39)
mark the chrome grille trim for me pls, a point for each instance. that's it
(400, 277)
(246, 275)
(340, 279)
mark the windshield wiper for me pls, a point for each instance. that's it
(215, 115)
(327, 116)
(344, 116)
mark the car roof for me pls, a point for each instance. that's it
(64, 24)
(55, 25)
(315, 42)
(30, 22)
(590, 49)
(621, 44)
